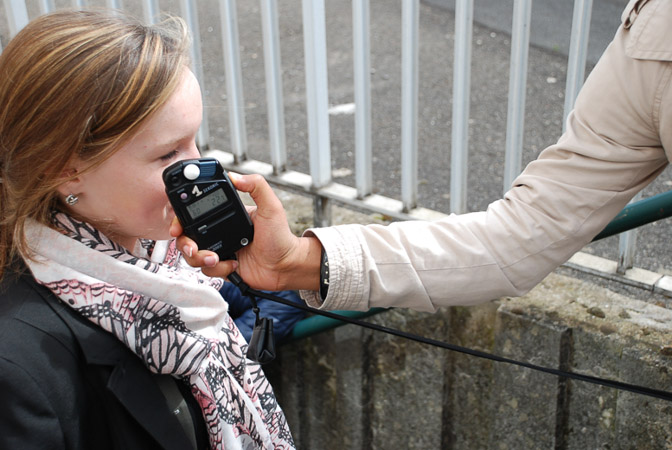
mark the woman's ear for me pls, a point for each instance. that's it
(71, 182)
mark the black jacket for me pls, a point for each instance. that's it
(65, 383)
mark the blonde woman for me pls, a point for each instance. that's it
(107, 340)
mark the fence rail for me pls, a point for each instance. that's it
(318, 181)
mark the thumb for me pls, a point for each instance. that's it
(261, 192)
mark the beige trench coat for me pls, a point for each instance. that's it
(618, 139)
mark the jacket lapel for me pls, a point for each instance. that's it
(129, 381)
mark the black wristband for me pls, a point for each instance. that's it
(324, 275)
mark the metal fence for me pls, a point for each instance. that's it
(317, 180)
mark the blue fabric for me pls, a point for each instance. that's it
(284, 316)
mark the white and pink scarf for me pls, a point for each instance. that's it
(170, 315)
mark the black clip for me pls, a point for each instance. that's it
(261, 348)
(262, 344)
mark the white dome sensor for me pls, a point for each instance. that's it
(191, 172)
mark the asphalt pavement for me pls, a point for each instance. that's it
(550, 34)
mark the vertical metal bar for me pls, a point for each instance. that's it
(190, 15)
(46, 6)
(114, 4)
(322, 211)
(317, 98)
(17, 16)
(515, 120)
(409, 103)
(362, 74)
(464, 18)
(627, 245)
(150, 10)
(80, 4)
(578, 50)
(234, 79)
(274, 97)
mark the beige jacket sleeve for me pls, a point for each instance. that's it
(614, 146)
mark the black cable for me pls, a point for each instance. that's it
(642, 390)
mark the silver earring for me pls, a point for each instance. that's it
(71, 199)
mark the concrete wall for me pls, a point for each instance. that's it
(352, 388)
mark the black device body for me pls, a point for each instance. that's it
(208, 206)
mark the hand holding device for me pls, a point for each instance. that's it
(208, 206)
(278, 259)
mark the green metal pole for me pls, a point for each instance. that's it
(638, 214)
(317, 324)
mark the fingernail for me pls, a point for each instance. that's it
(210, 260)
(187, 250)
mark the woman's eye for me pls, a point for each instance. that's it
(169, 156)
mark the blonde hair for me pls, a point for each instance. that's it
(75, 84)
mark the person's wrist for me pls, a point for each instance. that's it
(301, 269)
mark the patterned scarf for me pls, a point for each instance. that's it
(171, 316)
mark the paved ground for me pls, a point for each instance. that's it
(551, 21)
(546, 82)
